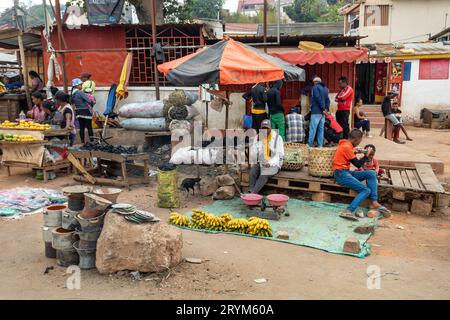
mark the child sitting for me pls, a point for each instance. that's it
(372, 163)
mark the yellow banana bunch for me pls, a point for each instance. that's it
(214, 223)
(198, 219)
(226, 217)
(179, 219)
(259, 227)
(237, 225)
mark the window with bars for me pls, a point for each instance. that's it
(376, 15)
(142, 68)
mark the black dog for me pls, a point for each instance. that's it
(189, 183)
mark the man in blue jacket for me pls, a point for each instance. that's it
(320, 105)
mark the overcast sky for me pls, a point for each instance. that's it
(4, 4)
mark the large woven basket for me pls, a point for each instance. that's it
(291, 147)
(320, 162)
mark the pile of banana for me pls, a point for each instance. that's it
(226, 217)
(214, 223)
(237, 225)
(179, 219)
(259, 227)
(198, 219)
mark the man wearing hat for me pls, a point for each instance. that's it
(320, 105)
(386, 108)
(87, 82)
(270, 154)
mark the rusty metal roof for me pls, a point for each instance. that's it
(410, 49)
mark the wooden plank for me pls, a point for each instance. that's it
(416, 175)
(428, 178)
(405, 179)
(412, 179)
(396, 178)
(80, 168)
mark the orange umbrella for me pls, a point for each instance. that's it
(229, 62)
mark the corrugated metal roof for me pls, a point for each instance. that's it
(420, 49)
(305, 29)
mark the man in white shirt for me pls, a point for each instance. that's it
(270, 152)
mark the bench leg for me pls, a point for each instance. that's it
(8, 169)
(45, 175)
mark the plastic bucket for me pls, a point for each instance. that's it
(110, 194)
(87, 257)
(66, 258)
(63, 239)
(53, 215)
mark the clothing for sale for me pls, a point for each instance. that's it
(344, 98)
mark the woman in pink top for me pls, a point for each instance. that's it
(37, 113)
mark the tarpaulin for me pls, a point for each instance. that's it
(321, 57)
(105, 67)
(229, 62)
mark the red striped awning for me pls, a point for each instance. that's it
(320, 57)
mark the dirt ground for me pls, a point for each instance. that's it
(413, 261)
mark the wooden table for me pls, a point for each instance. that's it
(115, 165)
(31, 154)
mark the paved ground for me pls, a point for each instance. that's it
(413, 262)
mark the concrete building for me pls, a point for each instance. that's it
(252, 7)
(392, 21)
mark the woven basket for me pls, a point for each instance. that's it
(299, 146)
(295, 147)
(320, 162)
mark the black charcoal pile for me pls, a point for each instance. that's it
(109, 148)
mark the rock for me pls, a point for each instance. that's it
(224, 180)
(283, 235)
(352, 245)
(208, 186)
(194, 260)
(365, 229)
(372, 214)
(421, 207)
(400, 206)
(224, 193)
(147, 247)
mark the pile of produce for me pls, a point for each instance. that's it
(18, 138)
(179, 219)
(24, 125)
(109, 148)
(259, 227)
(207, 221)
(237, 225)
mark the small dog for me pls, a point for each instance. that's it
(189, 183)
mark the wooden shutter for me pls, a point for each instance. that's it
(376, 15)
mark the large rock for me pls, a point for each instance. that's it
(147, 247)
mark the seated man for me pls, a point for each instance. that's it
(333, 131)
(345, 155)
(270, 154)
(386, 108)
(294, 126)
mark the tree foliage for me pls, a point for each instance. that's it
(236, 17)
(315, 10)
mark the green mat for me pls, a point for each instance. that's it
(312, 224)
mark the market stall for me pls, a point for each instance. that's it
(34, 146)
(11, 104)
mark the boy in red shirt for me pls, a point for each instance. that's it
(345, 155)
